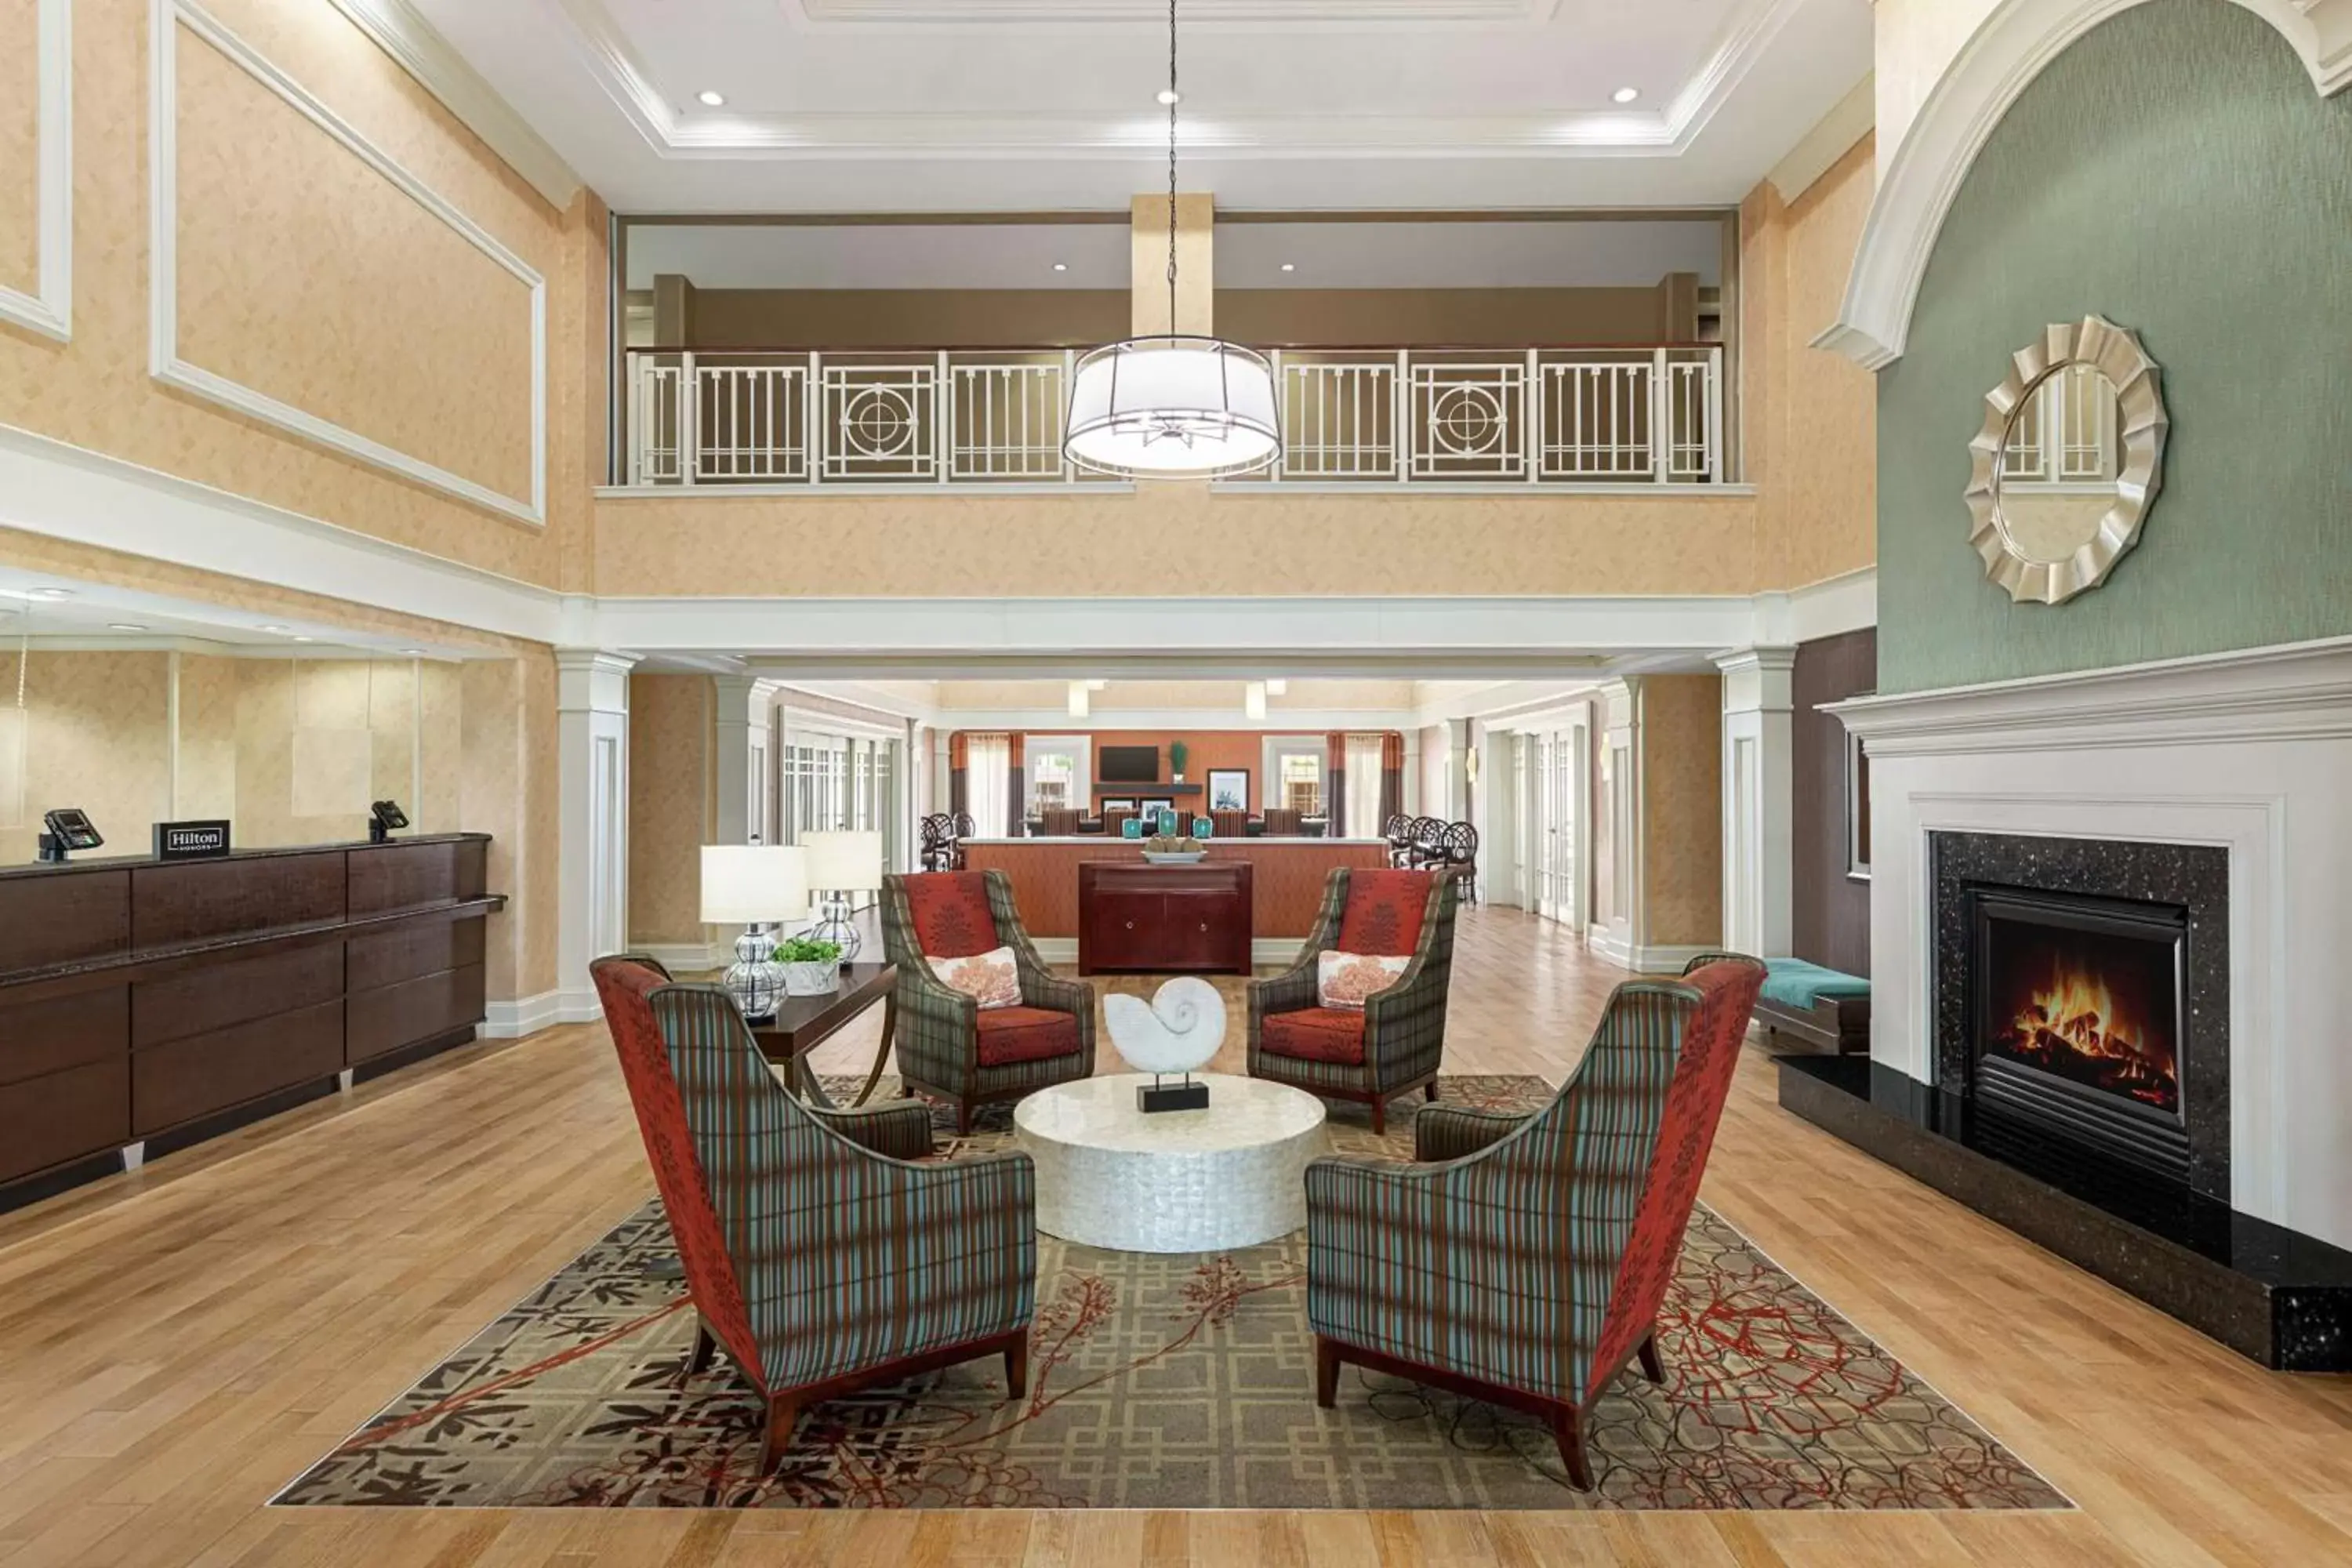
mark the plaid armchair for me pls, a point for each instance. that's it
(947, 1045)
(1392, 1046)
(820, 1265)
(1528, 1266)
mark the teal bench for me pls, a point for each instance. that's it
(1826, 1010)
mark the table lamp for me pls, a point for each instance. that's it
(839, 864)
(755, 886)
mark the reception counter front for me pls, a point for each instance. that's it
(1286, 876)
(145, 1005)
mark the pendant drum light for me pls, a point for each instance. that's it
(1174, 405)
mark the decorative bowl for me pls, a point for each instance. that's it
(1175, 857)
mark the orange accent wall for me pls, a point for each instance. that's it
(1207, 749)
(1285, 882)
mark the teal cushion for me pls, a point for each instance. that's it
(1793, 982)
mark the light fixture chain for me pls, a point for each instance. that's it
(1172, 101)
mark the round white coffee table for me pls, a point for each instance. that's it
(1175, 1181)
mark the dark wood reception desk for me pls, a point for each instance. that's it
(146, 1006)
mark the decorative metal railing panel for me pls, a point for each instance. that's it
(1544, 416)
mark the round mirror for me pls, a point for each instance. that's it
(2068, 462)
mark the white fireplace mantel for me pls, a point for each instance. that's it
(2251, 750)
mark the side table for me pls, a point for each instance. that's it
(803, 1023)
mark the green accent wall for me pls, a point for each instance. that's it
(2175, 172)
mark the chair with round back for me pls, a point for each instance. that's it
(1460, 844)
(1398, 831)
(1428, 845)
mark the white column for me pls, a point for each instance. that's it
(1617, 927)
(1759, 856)
(739, 757)
(591, 727)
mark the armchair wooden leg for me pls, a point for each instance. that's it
(1429, 1090)
(705, 1346)
(1652, 1367)
(963, 1118)
(1016, 1369)
(784, 1414)
(1327, 1372)
(1568, 1431)
(1380, 1117)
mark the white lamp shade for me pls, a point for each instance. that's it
(844, 861)
(1173, 408)
(753, 884)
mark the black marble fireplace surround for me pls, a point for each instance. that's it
(1975, 874)
(2279, 1296)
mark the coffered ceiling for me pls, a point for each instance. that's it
(1048, 105)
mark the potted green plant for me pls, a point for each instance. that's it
(812, 968)
(1176, 755)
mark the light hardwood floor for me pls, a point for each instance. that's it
(176, 1343)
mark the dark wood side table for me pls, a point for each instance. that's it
(801, 1023)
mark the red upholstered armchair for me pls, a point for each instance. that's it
(819, 1264)
(948, 1045)
(1527, 1268)
(1394, 1045)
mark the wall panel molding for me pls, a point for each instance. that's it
(49, 309)
(1923, 179)
(165, 361)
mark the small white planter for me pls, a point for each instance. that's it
(811, 979)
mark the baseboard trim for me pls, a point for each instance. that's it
(523, 1015)
(1642, 960)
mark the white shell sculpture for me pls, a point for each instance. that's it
(1178, 1031)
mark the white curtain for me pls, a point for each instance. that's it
(987, 762)
(1363, 804)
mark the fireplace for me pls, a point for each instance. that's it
(2081, 1005)
(2075, 1020)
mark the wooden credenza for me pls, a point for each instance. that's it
(1164, 918)
(150, 1006)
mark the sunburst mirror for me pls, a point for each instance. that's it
(2070, 459)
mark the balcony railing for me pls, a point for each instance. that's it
(1559, 416)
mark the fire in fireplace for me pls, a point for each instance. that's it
(2091, 1007)
(2077, 1018)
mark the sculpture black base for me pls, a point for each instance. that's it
(1185, 1096)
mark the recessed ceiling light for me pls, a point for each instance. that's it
(712, 99)
(301, 638)
(1170, 98)
(1626, 94)
(413, 652)
(124, 627)
(277, 631)
(1290, 266)
(1061, 267)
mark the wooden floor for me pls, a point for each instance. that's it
(176, 1343)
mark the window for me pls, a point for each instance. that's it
(988, 762)
(1363, 801)
(1302, 783)
(1057, 772)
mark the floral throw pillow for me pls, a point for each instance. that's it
(992, 979)
(1344, 979)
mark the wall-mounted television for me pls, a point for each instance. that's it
(1128, 764)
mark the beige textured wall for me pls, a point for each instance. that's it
(671, 720)
(924, 319)
(1682, 808)
(927, 546)
(305, 275)
(1196, 273)
(1810, 415)
(507, 786)
(1917, 40)
(19, 146)
(94, 732)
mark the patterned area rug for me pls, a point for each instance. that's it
(1169, 1382)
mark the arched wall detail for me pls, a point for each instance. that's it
(2015, 44)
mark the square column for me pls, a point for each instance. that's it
(1758, 851)
(741, 759)
(592, 728)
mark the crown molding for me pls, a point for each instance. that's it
(399, 30)
(48, 309)
(673, 133)
(1992, 69)
(973, 15)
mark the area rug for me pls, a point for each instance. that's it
(1169, 1381)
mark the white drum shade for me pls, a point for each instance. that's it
(753, 884)
(1173, 408)
(845, 861)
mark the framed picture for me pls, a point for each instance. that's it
(1229, 789)
(1857, 808)
(1116, 804)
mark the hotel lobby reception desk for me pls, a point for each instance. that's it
(1283, 888)
(146, 1006)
